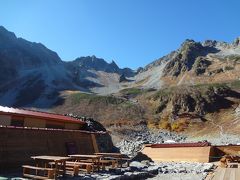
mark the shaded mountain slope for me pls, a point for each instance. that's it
(33, 76)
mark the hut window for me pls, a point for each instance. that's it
(54, 126)
(17, 121)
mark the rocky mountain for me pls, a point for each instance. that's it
(187, 88)
(195, 89)
(193, 63)
(33, 75)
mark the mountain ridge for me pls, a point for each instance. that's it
(33, 66)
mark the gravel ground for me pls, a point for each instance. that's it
(183, 170)
(221, 139)
(134, 140)
(190, 176)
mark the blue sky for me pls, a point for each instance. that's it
(131, 32)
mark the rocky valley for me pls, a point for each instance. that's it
(194, 90)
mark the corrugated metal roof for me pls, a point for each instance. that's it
(38, 114)
(172, 145)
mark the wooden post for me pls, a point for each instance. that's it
(89, 168)
(94, 141)
(50, 174)
(75, 170)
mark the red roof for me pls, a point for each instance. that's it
(199, 144)
(38, 114)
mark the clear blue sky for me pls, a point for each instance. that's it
(131, 32)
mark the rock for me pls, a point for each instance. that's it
(140, 175)
(128, 175)
(136, 140)
(207, 167)
(153, 169)
(91, 124)
(200, 65)
(122, 78)
(141, 157)
(146, 162)
(116, 171)
(137, 166)
(185, 58)
(114, 177)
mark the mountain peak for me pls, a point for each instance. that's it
(236, 42)
(189, 43)
(114, 64)
(4, 33)
(210, 43)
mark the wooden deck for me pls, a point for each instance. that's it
(226, 174)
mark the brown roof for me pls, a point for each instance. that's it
(171, 145)
(38, 114)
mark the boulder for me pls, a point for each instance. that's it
(137, 166)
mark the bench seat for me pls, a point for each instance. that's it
(33, 172)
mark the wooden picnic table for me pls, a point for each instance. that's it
(58, 162)
(117, 156)
(94, 158)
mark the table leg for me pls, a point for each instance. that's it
(98, 163)
(56, 169)
(64, 168)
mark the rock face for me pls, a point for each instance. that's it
(98, 64)
(196, 100)
(185, 58)
(193, 63)
(31, 67)
(123, 78)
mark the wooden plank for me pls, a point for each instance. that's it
(94, 141)
(219, 174)
(36, 177)
(233, 174)
(188, 154)
(237, 173)
(228, 173)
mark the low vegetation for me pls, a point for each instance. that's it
(109, 110)
(92, 98)
(131, 91)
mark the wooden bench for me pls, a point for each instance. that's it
(33, 172)
(73, 167)
(127, 160)
(105, 162)
(80, 166)
(119, 160)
